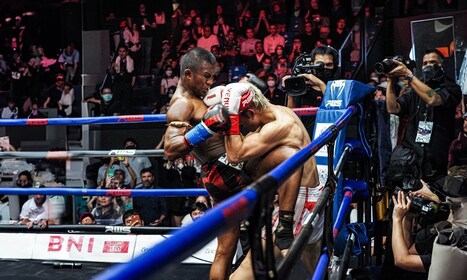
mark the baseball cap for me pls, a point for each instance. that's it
(375, 79)
(166, 42)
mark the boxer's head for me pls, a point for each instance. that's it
(250, 117)
(198, 68)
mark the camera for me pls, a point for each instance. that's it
(419, 205)
(387, 65)
(296, 85)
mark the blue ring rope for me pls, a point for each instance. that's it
(237, 208)
(103, 192)
(112, 119)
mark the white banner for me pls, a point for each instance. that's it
(84, 247)
(203, 256)
(16, 245)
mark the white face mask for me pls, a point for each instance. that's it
(180, 166)
(271, 84)
(168, 73)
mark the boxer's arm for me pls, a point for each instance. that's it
(174, 140)
(255, 144)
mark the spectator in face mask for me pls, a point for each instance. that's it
(274, 94)
(169, 80)
(109, 106)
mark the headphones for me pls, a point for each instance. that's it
(327, 50)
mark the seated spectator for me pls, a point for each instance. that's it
(105, 212)
(35, 211)
(274, 94)
(69, 60)
(109, 106)
(10, 111)
(207, 40)
(197, 211)
(87, 219)
(131, 218)
(169, 80)
(65, 104)
(34, 112)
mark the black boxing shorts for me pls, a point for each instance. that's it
(223, 179)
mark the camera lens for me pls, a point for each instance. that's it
(384, 67)
(295, 86)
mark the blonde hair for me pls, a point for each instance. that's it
(259, 101)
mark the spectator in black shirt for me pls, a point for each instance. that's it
(275, 95)
(152, 209)
(54, 93)
(430, 106)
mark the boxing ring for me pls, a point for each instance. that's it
(252, 204)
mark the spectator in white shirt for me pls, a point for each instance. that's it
(35, 211)
(65, 104)
(11, 111)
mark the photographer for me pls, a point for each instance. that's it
(315, 81)
(430, 107)
(411, 255)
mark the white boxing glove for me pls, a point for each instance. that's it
(214, 96)
(236, 97)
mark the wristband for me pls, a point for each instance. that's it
(409, 78)
(234, 125)
(198, 134)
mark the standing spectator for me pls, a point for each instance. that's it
(185, 41)
(105, 211)
(136, 163)
(278, 15)
(281, 69)
(167, 53)
(324, 39)
(339, 34)
(131, 39)
(296, 50)
(69, 61)
(65, 104)
(231, 49)
(272, 40)
(153, 209)
(10, 111)
(255, 62)
(168, 81)
(275, 95)
(247, 48)
(262, 25)
(124, 78)
(207, 40)
(245, 21)
(198, 28)
(54, 93)
(308, 38)
(18, 70)
(220, 29)
(144, 21)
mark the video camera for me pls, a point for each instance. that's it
(419, 205)
(296, 85)
(387, 65)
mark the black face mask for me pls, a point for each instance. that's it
(433, 74)
(325, 75)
